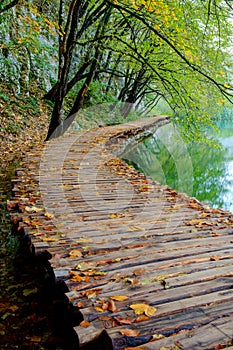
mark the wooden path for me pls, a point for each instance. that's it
(147, 267)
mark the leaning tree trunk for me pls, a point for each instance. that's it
(66, 47)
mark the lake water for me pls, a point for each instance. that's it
(195, 168)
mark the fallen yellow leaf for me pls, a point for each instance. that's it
(98, 309)
(142, 318)
(50, 239)
(33, 209)
(150, 311)
(119, 297)
(85, 324)
(142, 308)
(158, 336)
(75, 253)
(139, 309)
(78, 278)
(48, 215)
(84, 240)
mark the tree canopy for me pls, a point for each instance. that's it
(133, 51)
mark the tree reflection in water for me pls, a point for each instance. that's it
(194, 168)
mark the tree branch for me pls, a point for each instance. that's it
(197, 69)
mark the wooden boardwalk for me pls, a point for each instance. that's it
(147, 267)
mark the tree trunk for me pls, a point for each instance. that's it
(65, 51)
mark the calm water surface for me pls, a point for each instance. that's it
(194, 168)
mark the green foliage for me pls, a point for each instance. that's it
(185, 46)
(28, 42)
(140, 52)
(4, 96)
(96, 94)
(13, 127)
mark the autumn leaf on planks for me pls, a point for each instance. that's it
(107, 262)
(144, 188)
(48, 228)
(119, 297)
(80, 304)
(84, 240)
(173, 193)
(214, 258)
(220, 346)
(98, 308)
(84, 266)
(112, 307)
(122, 320)
(142, 308)
(142, 318)
(114, 162)
(139, 272)
(85, 324)
(48, 215)
(130, 332)
(199, 223)
(105, 318)
(158, 336)
(132, 281)
(50, 239)
(75, 253)
(103, 305)
(33, 209)
(204, 215)
(84, 276)
(194, 204)
(78, 278)
(116, 215)
(91, 293)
